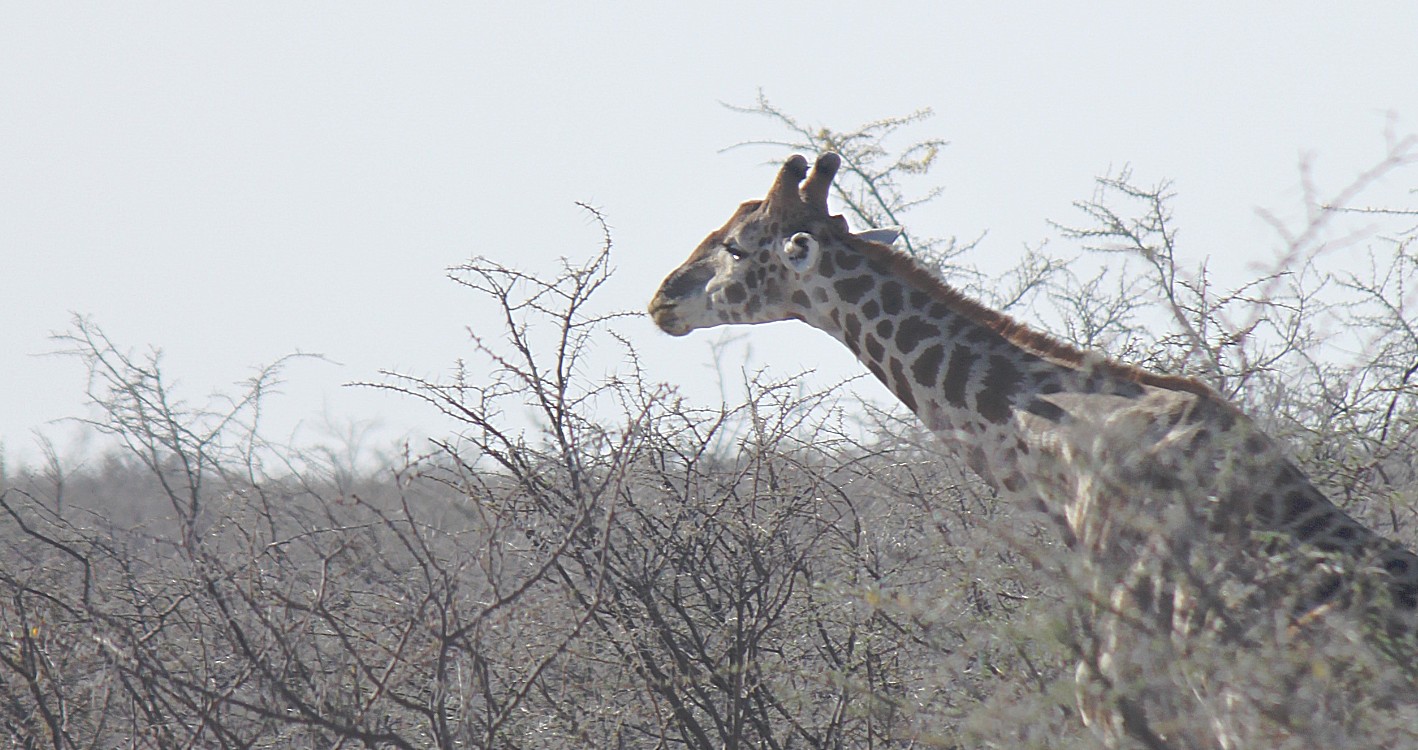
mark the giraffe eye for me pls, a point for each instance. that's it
(737, 252)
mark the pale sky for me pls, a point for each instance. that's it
(238, 181)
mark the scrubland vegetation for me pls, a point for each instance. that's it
(790, 570)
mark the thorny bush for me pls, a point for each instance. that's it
(634, 570)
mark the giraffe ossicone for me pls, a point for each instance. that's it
(1140, 469)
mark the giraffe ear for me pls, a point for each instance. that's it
(800, 252)
(881, 235)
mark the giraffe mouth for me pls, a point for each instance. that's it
(663, 313)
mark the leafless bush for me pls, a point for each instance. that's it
(665, 575)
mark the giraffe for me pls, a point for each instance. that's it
(1142, 471)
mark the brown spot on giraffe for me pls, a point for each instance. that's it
(1002, 381)
(848, 260)
(957, 374)
(871, 310)
(852, 327)
(852, 289)
(927, 366)
(875, 349)
(912, 331)
(901, 385)
(892, 298)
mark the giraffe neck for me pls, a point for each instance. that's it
(975, 379)
(960, 374)
(943, 366)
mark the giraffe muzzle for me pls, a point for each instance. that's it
(662, 311)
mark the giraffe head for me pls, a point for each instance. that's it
(760, 266)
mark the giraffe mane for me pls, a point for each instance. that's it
(1017, 333)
